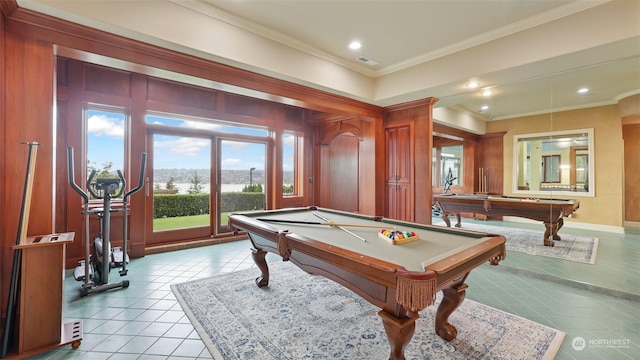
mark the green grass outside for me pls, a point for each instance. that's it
(180, 222)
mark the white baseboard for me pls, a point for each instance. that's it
(571, 224)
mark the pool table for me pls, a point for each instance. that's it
(550, 211)
(399, 279)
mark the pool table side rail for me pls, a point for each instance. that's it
(493, 250)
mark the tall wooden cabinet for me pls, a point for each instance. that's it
(398, 184)
(408, 145)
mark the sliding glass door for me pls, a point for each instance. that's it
(180, 185)
(241, 177)
(194, 185)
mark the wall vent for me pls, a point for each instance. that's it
(367, 61)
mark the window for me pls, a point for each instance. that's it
(581, 168)
(105, 141)
(434, 166)
(187, 122)
(551, 168)
(291, 150)
(451, 165)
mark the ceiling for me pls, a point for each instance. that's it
(532, 54)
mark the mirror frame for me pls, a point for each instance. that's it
(591, 160)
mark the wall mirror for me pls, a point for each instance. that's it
(558, 162)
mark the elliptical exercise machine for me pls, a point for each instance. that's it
(102, 261)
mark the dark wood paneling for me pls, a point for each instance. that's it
(62, 76)
(631, 136)
(445, 131)
(293, 117)
(27, 116)
(185, 95)
(343, 173)
(246, 106)
(490, 157)
(107, 80)
(8, 6)
(62, 182)
(79, 42)
(5, 255)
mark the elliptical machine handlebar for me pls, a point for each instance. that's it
(72, 180)
(143, 164)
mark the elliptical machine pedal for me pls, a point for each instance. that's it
(78, 272)
(118, 257)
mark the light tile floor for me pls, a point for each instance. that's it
(144, 321)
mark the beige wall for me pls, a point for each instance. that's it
(606, 208)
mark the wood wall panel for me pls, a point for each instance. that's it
(343, 173)
(138, 225)
(181, 94)
(62, 176)
(62, 76)
(294, 117)
(491, 158)
(27, 116)
(107, 80)
(246, 106)
(631, 136)
(322, 173)
(5, 255)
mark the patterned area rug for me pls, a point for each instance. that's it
(571, 247)
(301, 316)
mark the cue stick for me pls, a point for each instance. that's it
(330, 223)
(339, 227)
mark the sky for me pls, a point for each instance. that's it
(105, 138)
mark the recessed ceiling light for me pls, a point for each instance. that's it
(355, 45)
(583, 90)
(484, 107)
(486, 92)
(473, 85)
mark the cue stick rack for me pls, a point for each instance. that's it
(483, 189)
(33, 322)
(483, 178)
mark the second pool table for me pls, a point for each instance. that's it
(399, 279)
(550, 211)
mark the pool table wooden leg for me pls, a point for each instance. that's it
(445, 217)
(551, 233)
(557, 228)
(452, 298)
(399, 332)
(458, 219)
(259, 258)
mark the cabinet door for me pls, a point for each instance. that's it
(398, 181)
